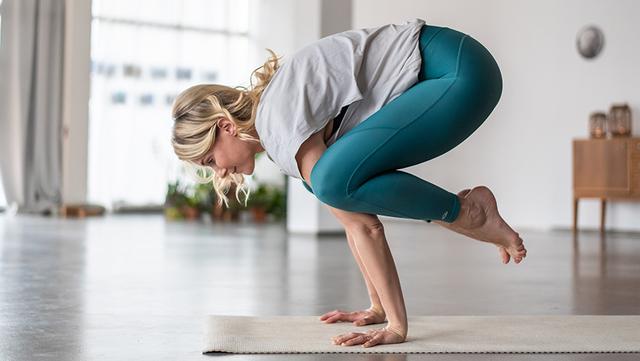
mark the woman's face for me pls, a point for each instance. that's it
(229, 154)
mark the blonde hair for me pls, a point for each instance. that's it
(196, 112)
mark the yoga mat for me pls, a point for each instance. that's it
(429, 334)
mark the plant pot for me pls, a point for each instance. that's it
(217, 211)
(231, 216)
(190, 213)
(222, 213)
(259, 214)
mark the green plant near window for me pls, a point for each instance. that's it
(175, 195)
(203, 196)
(269, 198)
(188, 201)
(184, 201)
(260, 197)
(278, 203)
(175, 199)
(275, 198)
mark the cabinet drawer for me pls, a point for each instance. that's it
(601, 164)
(635, 183)
(635, 148)
(635, 175)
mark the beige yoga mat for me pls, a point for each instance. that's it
(429, 334)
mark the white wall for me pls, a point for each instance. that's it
(523, 151)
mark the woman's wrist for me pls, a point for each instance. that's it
(377, 309)
(398, 331)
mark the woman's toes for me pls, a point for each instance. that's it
(504, 255)
(463, 193)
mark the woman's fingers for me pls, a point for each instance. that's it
(328, 314)
(359, 318)
(340, 316)
(355, 340)
(368, 339)
(362, 321)
(343, 338)
(374, 340)
(333, 318)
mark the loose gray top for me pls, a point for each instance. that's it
(363, 68)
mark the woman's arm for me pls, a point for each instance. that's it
(376, 305)
(369, 241)
(372, 246)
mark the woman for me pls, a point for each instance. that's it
(343, 114)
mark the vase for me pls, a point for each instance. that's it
(597, 124)
(619, 121)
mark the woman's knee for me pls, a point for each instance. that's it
(481, 71)
(329, 184)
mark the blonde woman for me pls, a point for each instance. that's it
(343, 114)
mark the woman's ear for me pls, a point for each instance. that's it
(228, 126)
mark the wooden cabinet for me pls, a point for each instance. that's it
(605, 169)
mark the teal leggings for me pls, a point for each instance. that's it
(459, 84)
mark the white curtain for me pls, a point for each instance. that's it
(31, 63)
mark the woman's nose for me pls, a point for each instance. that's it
(221, 172)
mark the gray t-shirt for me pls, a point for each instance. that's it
(363, 68)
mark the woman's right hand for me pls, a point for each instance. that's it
(359, 318)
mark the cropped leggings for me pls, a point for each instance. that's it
(459, 84)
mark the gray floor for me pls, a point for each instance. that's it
(137, 287)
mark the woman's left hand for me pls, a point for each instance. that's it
(370, 338)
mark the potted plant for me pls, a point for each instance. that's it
(191, 208)
(259, 202)
(175, 199)
(221, 211)
(204, 196)
(277, 204)
(186, 202)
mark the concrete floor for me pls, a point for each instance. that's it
(138, 288)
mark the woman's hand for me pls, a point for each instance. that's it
(359, 318)
(370, 338)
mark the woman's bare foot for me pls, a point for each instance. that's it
(504, 255)
(479, 219)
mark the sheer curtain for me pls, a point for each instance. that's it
(143, 54)
(3, 199)
(31, 103)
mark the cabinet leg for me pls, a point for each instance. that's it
(603, 211)
(575, 215)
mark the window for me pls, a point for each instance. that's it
(143, 53)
